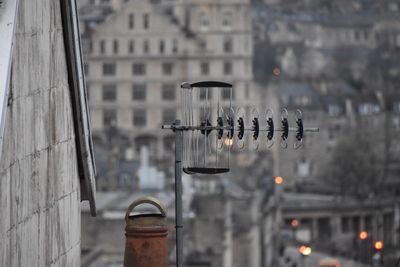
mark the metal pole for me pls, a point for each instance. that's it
(178, 195)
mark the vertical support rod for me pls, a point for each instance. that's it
(178, 195)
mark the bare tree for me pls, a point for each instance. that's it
(354, 168)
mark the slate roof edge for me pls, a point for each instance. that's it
(77, 85)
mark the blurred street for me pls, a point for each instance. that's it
(292, 256)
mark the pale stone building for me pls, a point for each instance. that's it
(137, 58)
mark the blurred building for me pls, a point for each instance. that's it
(316, 24)
(137, 56)
(330, 225)
(337, 109)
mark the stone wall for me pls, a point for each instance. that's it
(39, 185)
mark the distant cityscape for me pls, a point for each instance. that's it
(336, 61)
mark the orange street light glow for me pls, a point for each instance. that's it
(305, 250)
(278, 180)
(276, 71)
(378, 245)
(295, 223)
(363, 235)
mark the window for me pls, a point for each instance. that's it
(131, 21)
(108, 68)
(109, 117)
(334, 110)
(204, 68)
(146, 21)
(115, 47)
(131, 47)
(226, 93)
(168, 92)
(377, 37)
(366, 35)
(167, 68)
(162, 47)
(227, 68)
(396, 107)
(331, 133)
(168, 116)
(204, 22)
(102, 47)
(146, 46)
(228, 45)
(227, 21)
(175, 46)
(139, 117)
(357, 35)
(368, 108)
(303, 100)
(139, 92)
(86, 68)
(87, 46)
(109, 92)
(356, 224)
(169, 142)
(368, 223)
(138, 68)
(203, 45)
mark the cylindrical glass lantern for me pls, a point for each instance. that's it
(208, 114)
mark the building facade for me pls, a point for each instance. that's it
(139, 55)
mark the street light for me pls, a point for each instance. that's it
(276, 71)
(295, 223)
(305, 250)
(228, 141)
(378, 245)
(278, 180)
(363, 235)
(377, 258)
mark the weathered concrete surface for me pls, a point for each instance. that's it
(39, 186)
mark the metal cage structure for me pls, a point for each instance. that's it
(206, 112)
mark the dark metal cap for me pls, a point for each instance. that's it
(186, 85)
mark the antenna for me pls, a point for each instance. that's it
(211, 128)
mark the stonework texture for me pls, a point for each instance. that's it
(39, 185)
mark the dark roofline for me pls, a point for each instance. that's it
(77, 85)
(211, 84)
